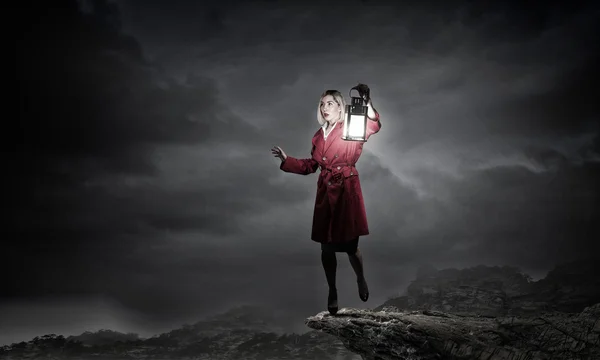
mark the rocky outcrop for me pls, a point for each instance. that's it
(395, 334)
(479, 313)
(502, 291)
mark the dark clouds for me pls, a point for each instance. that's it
(125, 184)
(92, 115)
(141, 172)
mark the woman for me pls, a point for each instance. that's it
(339, 216)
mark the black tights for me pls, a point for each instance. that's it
(329, 261)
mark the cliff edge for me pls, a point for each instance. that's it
(481, 312)
(418, 335)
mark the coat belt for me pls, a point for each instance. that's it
(335, 167)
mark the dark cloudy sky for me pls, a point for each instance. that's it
(142, 193)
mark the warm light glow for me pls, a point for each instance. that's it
(357, 126)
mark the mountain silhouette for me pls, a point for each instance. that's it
(252, 332)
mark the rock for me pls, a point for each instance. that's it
(479, 313)
(502, 291)
(416, 335)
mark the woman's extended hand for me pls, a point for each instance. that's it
(364, 92)
(276, 150)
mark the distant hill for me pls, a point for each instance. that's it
(245, 332)
(103, 337)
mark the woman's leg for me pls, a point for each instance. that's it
(329, 261)
(357, 264)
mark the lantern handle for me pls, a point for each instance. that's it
(363, 91)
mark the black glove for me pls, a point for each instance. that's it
(364, 92)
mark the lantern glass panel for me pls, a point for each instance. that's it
(357, 126)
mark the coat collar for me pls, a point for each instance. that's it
(324, 126)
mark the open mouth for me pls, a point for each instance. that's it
(325, 114)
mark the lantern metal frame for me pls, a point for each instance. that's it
(355, 111)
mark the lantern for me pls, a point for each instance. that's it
(355, 124)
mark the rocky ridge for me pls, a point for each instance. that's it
(495, 312)
(423, 335)
(492, 313)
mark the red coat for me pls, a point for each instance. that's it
(339, 213)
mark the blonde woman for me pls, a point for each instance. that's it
(339, 216)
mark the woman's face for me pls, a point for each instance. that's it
(330, 110)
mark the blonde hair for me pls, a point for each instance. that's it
(339, 99)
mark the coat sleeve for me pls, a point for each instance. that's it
(373, 126)
(299, 166)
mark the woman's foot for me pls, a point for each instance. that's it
(332, 304)
(363, 289)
